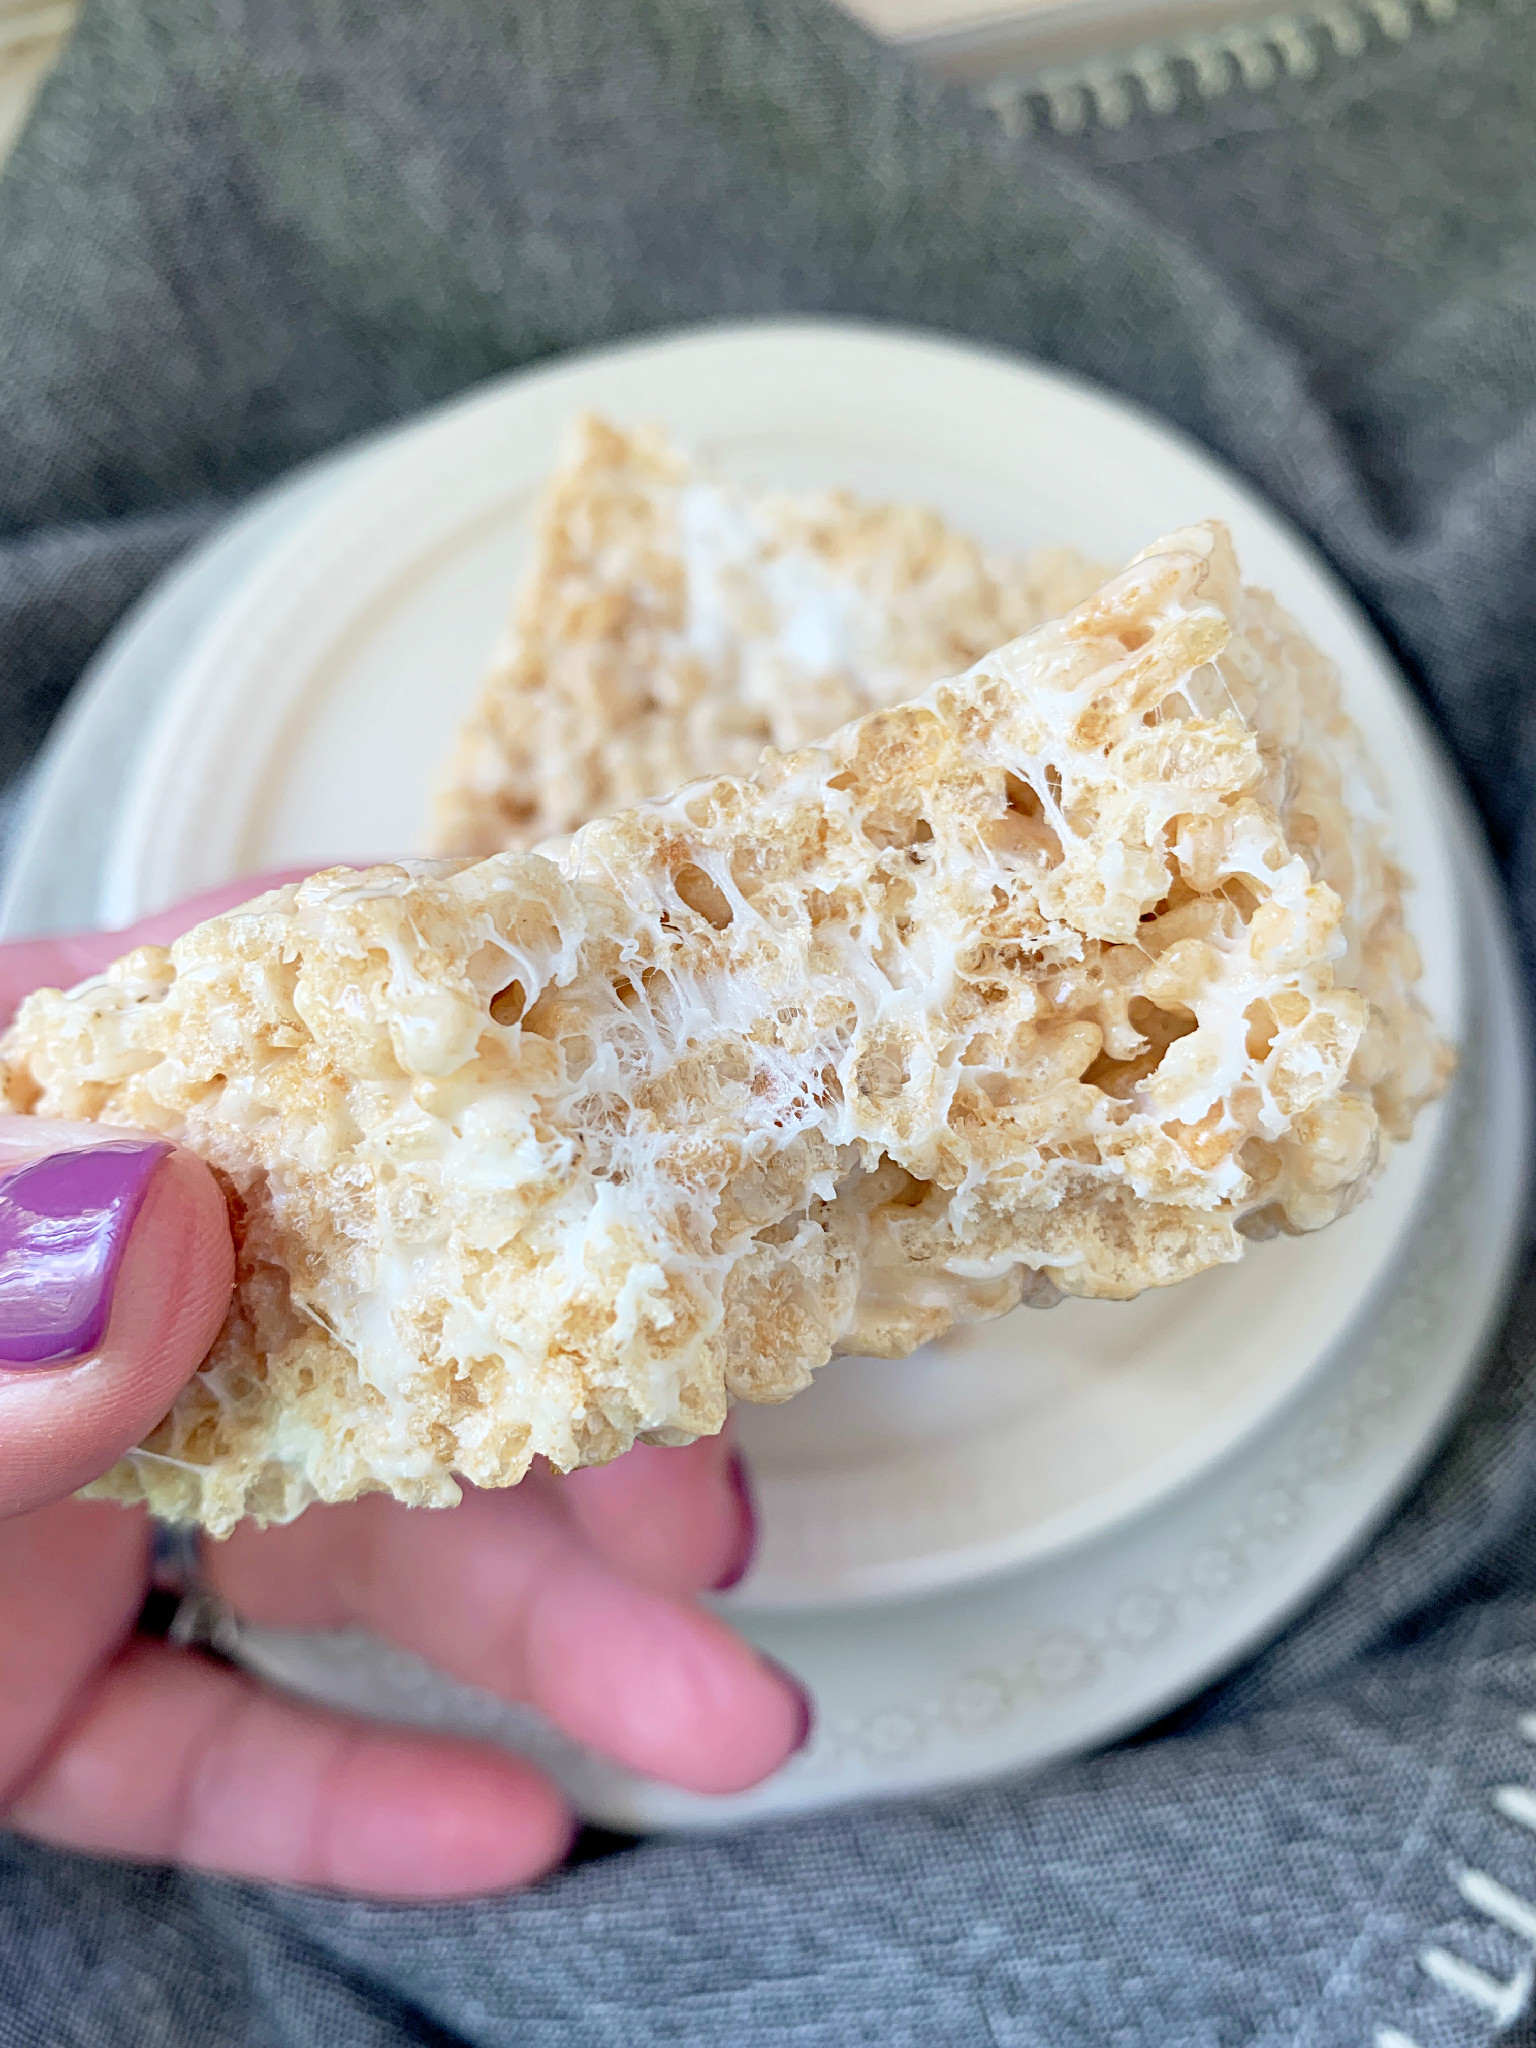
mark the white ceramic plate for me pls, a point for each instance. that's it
(293, 687)
(1087, 1643)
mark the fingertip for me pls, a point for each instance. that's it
(662, 1687)
(63, 1424)
(778, 1719)
(803, 1724)
(739, 1482)
(676, 1520)
(178, 1271)
(443, 1821)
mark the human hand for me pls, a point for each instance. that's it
(572, 1594)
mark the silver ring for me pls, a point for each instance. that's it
(200, 1620)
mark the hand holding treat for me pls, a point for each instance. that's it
(115, 1274)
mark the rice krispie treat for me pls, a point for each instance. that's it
(671, 626)
(1065, 976)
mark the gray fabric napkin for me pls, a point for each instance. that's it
(238, 230)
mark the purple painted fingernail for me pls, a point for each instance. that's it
(741, 1486)
(64, 1225)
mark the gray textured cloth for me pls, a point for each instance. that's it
(240, 229)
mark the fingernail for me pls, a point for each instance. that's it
(741, 1486)
(65, 1221)
(806, 1704)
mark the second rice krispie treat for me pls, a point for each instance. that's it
(672, 625)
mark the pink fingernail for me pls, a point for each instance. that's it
(65, 1221)
(741, 1486)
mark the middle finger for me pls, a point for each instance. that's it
(505, 1592)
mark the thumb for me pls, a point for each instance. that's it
(115, 1273)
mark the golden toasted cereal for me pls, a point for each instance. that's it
(672, 626)
(1067, 975)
